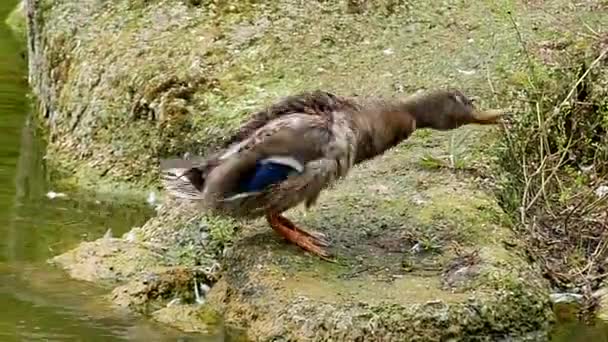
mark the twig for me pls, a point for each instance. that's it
(523, 45)
(491, 85)
(552, 174)
(594, 32)
(582, 78)
(542, 140)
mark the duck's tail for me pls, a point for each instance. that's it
(183, 178)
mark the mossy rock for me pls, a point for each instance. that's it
(190, 318)
(420, 256)
(158, 287)
(108, 260)
(156, 263)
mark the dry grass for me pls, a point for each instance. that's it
(553, 160)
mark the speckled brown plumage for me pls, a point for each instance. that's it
(316, 102)
(322, 133)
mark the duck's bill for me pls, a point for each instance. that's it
(487, 117)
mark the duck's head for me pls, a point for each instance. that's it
(449, 109)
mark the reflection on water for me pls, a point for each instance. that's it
(44, 305)
(576, 332)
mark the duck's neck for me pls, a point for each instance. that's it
(428, 111)
(380, 126)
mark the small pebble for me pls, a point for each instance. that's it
(151, 198)
(601, 191)
(388, 52)
(416, 248)
(205, 288)
(53, 194)
(108, 234)
(130, 236)
(466, 72)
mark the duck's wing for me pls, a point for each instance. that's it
(186, 179)
(318, 103)
(316, 147)
(296, 140)
(305, 187)
(323, 146)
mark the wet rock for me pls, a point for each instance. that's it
(567, 306)
(109, 260)
(178, 236)
(190, 318)
(152, 290)
(162, 270)
(272, 300)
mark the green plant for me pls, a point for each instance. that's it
(455, 158)
(552, 160)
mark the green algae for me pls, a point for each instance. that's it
(190, 319)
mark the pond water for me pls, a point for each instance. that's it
(39, 303)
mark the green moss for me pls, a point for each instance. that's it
(194, 318)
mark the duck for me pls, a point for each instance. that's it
(289, 152)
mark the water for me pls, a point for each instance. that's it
(39, 302)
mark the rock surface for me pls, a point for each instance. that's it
(421, 244)
(154, 268)
(461, 282)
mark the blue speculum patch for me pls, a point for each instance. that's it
(265, 174)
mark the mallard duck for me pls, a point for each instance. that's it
(291, 151)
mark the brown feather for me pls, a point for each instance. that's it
(318, 102)
(326, 134)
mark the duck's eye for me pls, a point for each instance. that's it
(458, 98)
(467, 101)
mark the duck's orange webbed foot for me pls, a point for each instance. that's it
(312, 242)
